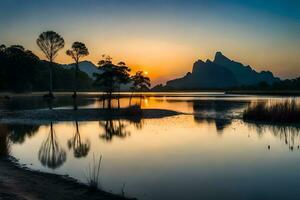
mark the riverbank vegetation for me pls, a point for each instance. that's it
(287, 111)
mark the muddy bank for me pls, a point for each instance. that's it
(18, 183)
(41, 116)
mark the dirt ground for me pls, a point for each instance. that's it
(18, 183)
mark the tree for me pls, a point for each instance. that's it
(50, 43)
(17, 68)
(140, 83)
(122, 77)
(105, 79)
(111, 76)
(77, 51)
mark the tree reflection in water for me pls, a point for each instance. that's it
(80, 149)
(4, 141)
(19, 132)
(113, 128)
(289, 134)
(51, 153)
(138, 122)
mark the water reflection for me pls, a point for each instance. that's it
(38, 102)
(290, 135)
(186, 152)
(218, 107)
(80, 148)
(19, 132)
(218, 112)
(138, 122)
(113, 128)
(51, 154)
(4, 141)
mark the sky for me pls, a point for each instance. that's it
(163, 37)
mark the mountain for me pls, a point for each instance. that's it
(85, 66)
(245, 75)
(221, 73)
(205, 75)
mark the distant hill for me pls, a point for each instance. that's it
(85, 66)
(89, 68)
(220, 73)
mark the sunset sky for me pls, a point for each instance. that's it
(164, 37)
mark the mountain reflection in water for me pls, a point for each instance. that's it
(185, 156)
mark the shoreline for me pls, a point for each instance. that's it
(20, 183)
(42, 116)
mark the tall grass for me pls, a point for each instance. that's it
(287, 111)
(93, 173)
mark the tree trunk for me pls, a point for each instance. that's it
(50, 79)
(75, 82)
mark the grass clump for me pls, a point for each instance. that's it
(287, 111)
(93, 173)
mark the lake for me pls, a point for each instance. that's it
(208, 152)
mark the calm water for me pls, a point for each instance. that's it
(180, 157)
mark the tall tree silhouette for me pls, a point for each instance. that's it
(77, 51)
(50, 43)
(111, 76)
(80, 148)
(51, 153)
(140, 83)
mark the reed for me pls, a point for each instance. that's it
(93, 173)
(287, 111)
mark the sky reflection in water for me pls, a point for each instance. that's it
(180, 157)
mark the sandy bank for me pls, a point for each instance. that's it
(17, 183)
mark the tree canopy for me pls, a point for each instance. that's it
(50, 43)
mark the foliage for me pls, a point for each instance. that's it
(111, 76)
(77, 51)
(23, 71)
(50, 43)
(140, 81)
